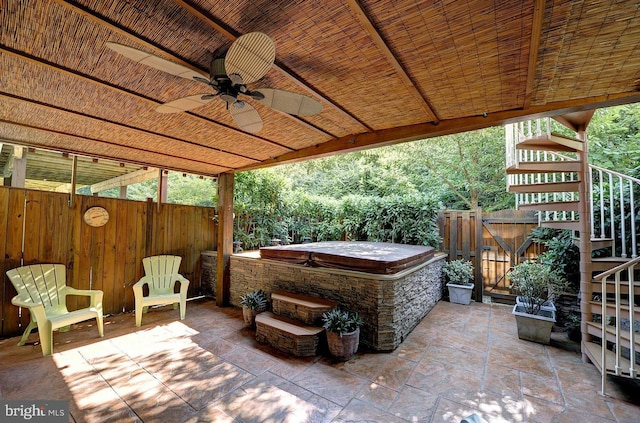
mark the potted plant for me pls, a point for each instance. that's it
(536, 285)
(343, 332)
(252, 304)
(459, 272)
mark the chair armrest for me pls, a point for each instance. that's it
(137, 287)
(94, 294)
(36, 309)
(184, 283)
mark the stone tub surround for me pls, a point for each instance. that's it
(390, 305)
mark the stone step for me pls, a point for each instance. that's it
(304, 308)
(288, 335)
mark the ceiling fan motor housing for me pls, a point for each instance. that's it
(217, 69)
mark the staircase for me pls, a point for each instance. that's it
(549, 173)
(295, 325)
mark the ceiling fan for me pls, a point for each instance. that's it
(248, 59)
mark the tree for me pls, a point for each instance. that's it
(614, 139)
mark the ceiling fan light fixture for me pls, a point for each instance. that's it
(228, 98)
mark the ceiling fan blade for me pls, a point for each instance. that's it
(289, 102)
(250, 56)
(246, 117)
(204, 80)
(156, 62)
(184, 103)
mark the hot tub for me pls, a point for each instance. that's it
(392, 286)
(380, 258)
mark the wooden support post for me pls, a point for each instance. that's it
(163, 181)
(477, 277)
(74, 175)
(225, 237)
(586, 275)
(19, 170)
(123, 192)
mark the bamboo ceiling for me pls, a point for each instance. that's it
(385, 71)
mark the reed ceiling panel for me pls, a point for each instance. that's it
(96, 148)
(384, 71)
(585, 40)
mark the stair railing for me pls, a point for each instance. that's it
(614, 204)
(613, 217)
(613, 214)
(603, 278)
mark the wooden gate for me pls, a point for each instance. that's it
(493, 242)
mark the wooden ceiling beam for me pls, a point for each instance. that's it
(383, 137)
(94, 17)
(135, 151)
(391, 58)
(134, 37)
(119, 90)
(122, 125)
(138, 176)
(534, 46)
(232, 35)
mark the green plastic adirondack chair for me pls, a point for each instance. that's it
(42, 289)
(161, 275)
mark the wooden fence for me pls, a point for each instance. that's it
(41, 227)
(493, 242)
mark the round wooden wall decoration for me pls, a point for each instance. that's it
(96, 216)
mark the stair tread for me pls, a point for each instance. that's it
(594, 351)
(612, 282)
(552, 142)
(543, 187)
(611, 259)
(624, 307)
(287, 325)
(562, 224)
(611, 331)
(556, 166)
(303, 300)
(551, 206)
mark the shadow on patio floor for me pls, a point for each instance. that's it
(460, 360)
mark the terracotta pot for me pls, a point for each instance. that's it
(343, 347)
(249, 316)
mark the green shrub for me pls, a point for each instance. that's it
(536, 283)
(459, 272)
(341, 322)
(256, 300)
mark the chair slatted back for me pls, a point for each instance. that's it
(161, 270)
(41, 284)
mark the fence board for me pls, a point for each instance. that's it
(492, 242)
(111, 255)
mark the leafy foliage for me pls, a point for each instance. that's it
(614, 139)
(259, 205)
(536, 283)
(459, 272)
(562, 254)
(256, 300)
(340, 321)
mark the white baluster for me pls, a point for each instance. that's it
(623, 232)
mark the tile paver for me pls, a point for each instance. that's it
(209, 368)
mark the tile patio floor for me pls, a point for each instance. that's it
(208, 368)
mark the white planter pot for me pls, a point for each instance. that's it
(534, 327)
(460, 294)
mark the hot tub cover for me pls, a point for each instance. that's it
(362, 256)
